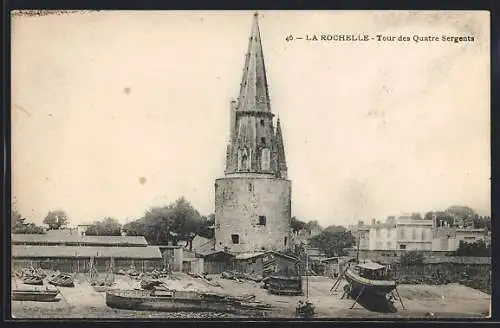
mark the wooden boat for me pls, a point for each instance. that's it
(32, 280)
(39, 294)
(148, 283)
(62, 280)
(369, 278)
(284, 285)
(171, 300)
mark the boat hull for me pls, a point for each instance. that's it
(288, 286)
(189, 302)
(367, 286)
(39, 296)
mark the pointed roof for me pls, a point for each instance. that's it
(280, 145)
(254, 95)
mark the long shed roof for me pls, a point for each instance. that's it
(50, 238)
(30, 251)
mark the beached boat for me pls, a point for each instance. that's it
(62, 280)
(32, 280)
(148, 283)
(39, 294)
(171, 300)
(284, 285)
(369, 278)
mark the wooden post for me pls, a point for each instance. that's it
(400, 300)
(357, 298)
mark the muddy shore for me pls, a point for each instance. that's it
(420, 301)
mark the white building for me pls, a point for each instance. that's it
(405, 233)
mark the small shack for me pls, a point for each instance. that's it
(265, 263)
(217, 262)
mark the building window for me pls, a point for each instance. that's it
(266, 159)
(250, 187)
(235, 239)
(261, 122)
(402, 246)
(263, 140)
(262, 220)
(286, 240)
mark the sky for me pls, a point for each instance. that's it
(114, 112)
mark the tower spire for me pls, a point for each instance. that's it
(280, 148)
(254, 94)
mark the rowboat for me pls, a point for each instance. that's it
(40, 294)
(176, 300)
(62, 280)
(283, 285)
(32, 280)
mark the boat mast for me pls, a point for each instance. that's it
(357, 251)
(307, 270)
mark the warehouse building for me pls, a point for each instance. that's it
(71, 252)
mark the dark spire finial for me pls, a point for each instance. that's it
(254, 94)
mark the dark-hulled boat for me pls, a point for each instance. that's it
(171, 300)
(284, 285)
(39, 294)
(62, 280)
(369, 278)
(32, 280)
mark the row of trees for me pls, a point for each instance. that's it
(20, 224)
(171, 224)
(54, 220)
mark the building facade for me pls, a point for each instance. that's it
(253, 199)
(406, 233)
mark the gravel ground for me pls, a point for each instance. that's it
(452, 300)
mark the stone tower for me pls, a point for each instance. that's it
(253, 199)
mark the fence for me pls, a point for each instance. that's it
(477, 276)
(82, 265)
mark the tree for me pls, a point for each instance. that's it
(297, 225)
(463, 215)
(442, 218)
(478, 248)
(56, 219)
(107, 227)
(171, 223)
(313, 227)
(482, 222)
(416, 216)
(207, 226)
(19, 225)
(333, 240)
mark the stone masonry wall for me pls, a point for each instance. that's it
(239, 201)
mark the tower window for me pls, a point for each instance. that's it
(235, 239)
(262, 220)
(286, 240)
(263, 140)
(262, 122)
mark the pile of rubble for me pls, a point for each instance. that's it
(239, 276)
(423, 280)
